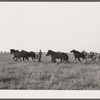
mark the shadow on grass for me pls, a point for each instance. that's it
(7, 79)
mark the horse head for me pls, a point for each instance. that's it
(12, 51)
(72, 51)
(49, 52)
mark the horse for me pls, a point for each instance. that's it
(57, 55)
(32, 55)
(86, 54)
(25, 55)
(91, 55)
(16, 53)
(98, 56)
(22, 54)
(78, 54)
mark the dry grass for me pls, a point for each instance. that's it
(47, 75)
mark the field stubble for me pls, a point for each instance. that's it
(48, 76)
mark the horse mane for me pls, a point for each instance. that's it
(51, 51)
(75, 51)
(12, 50)
(16, 50)
(23, 51)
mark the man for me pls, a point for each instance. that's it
(40, 55)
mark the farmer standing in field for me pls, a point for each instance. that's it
(40, 55)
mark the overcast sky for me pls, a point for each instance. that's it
(59, 26)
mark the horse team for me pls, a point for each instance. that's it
(85, 55)
(25, 55)
(17, 55)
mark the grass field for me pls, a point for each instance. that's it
(48, 76)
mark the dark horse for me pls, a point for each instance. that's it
(26, 55)
(78, 55)
(22, 54)
(32, 55)
(16, 53)
(57, 55)
(19, 54)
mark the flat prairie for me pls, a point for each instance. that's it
(47, 75)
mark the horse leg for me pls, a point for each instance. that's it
(67, 61)
(17, 58)
(64, 60)
(75, 58)
(27, 58)
(20, 59)
(23, 58)
(54, 60)
(86, 58)
(61, 59)
(14, 58)
(83, 58)
(79, 59)
(33, 58)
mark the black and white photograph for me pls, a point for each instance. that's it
(49, 45)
